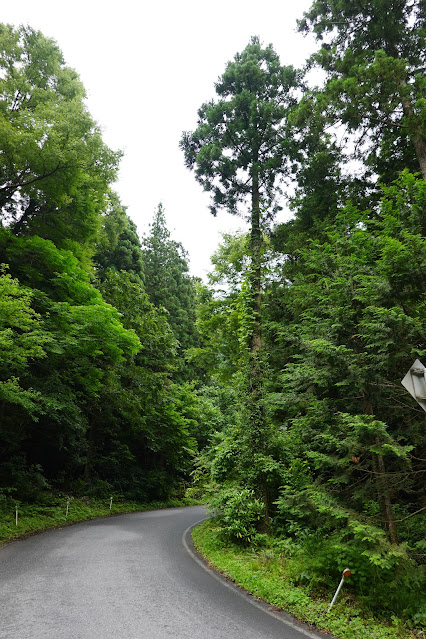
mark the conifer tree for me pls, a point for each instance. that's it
(168, 283)
(118, 245)
(239, 155)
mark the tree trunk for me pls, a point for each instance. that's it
(28, 213)
(255, 339)
(420, 147)
(382, 486)
(255, 399)
(385, 498)
(419, 140)
(256, 283)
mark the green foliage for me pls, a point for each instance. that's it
(344, 452)
(118, 246)
(170, 287)
(21, 341)
(54, 165)
(352, 324)
(235, 142)
(79, 342)
(373, 56)
(325, 436)
(151, 440)
(87, 400)
(268, 572)
(101, 391)
(239, 513)
(217, 323)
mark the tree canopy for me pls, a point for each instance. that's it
(238, 150)
(168, 283)
(54, 167)
(373, 54)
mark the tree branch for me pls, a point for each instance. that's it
(412, 515)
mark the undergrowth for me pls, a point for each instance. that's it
(266, 574)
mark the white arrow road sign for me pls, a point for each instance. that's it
(415, 383)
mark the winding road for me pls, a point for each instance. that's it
(133, 576)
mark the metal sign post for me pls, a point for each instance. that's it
(415, 383)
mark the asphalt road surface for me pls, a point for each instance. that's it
(133, 576)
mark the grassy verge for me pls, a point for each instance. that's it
(263, 575)
(34, 518)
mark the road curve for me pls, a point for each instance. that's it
(134, 576)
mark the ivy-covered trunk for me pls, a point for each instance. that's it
(254, 337)
(255, 343)
(256, 417)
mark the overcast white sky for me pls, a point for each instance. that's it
(147, 67)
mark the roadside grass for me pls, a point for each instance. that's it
(263, 574)
(33, 518)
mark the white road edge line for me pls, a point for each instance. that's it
(243, 594)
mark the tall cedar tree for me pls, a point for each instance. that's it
(238, 153)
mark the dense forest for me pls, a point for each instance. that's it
(275, 387)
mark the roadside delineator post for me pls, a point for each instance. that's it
(110, 503)
(345, 573)
(16, 514)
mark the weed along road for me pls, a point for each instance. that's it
(133, 576)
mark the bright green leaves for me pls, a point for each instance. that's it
(62, 346)
(91, 339)
(22, 340)
(53, 164)
(85, 373)
(20, 336)
(84, 332)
